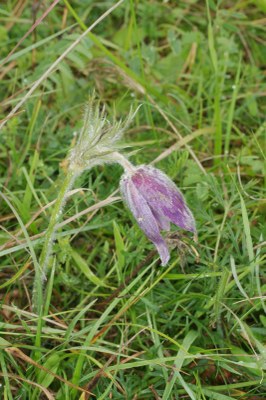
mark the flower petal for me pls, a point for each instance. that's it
(162, 221)
(162, 195)
(144, 216)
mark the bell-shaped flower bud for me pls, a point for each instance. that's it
(155, 201)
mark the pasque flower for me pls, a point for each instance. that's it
(152, 197)
(155, 201)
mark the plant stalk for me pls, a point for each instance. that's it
(50, 233)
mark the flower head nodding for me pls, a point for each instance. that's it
(155, 201)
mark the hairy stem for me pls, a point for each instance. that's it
(49, 235)
(124, 162)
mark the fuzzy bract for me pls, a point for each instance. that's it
(98, 139)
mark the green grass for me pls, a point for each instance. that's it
(112, 321)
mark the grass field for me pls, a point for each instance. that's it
(111, 320)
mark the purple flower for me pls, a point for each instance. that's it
(155, 201)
